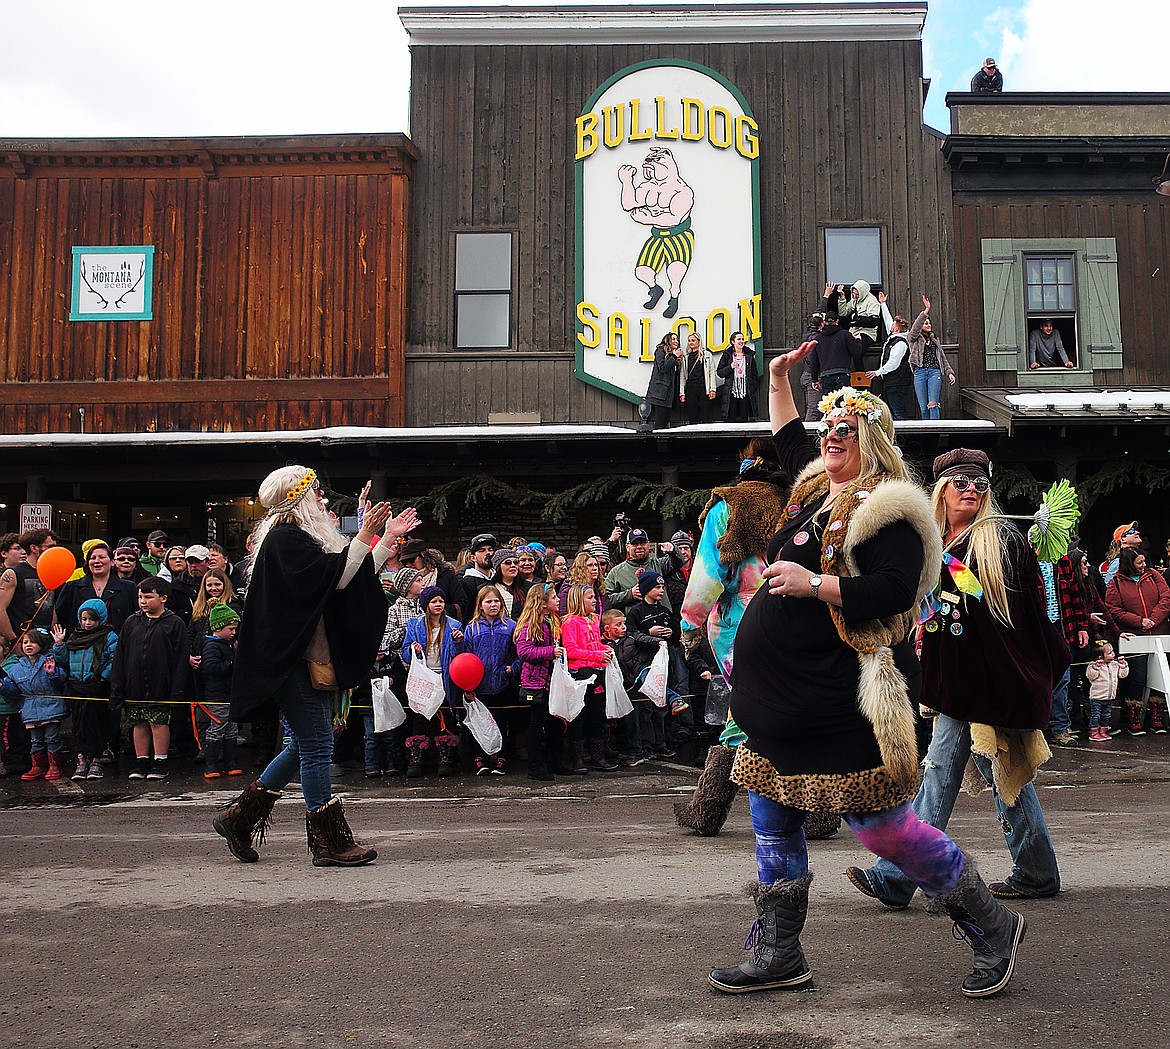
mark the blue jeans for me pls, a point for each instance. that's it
(309, 716)
(895, 397)
(1058, 720)
(928, 390)
(1034, 871)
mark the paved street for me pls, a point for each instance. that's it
(574, 915)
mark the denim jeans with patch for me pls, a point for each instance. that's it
(1034, 870)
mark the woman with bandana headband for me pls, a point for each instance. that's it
(313, 620)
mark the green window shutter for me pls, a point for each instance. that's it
(1002, 289)
(1100, 303)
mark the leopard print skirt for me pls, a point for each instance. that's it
(869, 791)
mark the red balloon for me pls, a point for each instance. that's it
(55, 566)
(466, 671)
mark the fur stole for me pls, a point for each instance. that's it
(755, 513)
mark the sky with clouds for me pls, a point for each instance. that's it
(72, 68)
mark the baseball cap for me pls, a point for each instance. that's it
(197, 553)
(484, 539)
(158, 536)
(638, 535)
(1125, 529)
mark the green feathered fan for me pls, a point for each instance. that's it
(1055, 521)
(1051, 526)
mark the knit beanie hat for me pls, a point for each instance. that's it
(647, 581)
(598, 550)
(429, 594)
(681, 538)
(90, 545)
(404, 579)
(220, 615)
(505, 553)
(97, 607)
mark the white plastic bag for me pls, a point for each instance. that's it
(482, 726)
(566, 697)
(388, 712)
(617, 699)
(654, 684)
(424, 688)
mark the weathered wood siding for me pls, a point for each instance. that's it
(279, 284)
(842, 142)
(1140, 222)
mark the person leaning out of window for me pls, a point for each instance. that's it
(1045, 348)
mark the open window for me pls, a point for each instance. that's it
(1050, 308)
(1073, 283)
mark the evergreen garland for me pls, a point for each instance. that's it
(612, 489)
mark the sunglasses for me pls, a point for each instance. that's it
(1134, 531)
(842, 430)
(961, 482)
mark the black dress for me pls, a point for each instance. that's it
(795, 681)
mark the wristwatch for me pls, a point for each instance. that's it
(815, 583)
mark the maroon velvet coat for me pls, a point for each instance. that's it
(977, 669)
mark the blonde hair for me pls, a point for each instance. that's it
(203, 603)
(985, 545)
(486, 591)
(534, 616)
(576, 601)
(579, 573)
(306, 513)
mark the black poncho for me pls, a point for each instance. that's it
(293, 585)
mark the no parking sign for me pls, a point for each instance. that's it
(35, 515)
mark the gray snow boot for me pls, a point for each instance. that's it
(709, 806)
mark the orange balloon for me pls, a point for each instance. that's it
(55, 566)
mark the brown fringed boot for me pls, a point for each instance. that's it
(245, 822)
(821, 825)
(707, 810)
(330, 839)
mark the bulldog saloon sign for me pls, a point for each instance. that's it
(668, 233)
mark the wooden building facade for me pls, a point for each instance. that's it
(837, 91)
(278, 291)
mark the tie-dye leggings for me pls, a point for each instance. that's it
(925, 854)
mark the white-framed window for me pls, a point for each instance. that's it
(1073, 283)
(484, 278)
(853, 253)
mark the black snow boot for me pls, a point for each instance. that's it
(993, 931)
(246, 820)
(776, 961)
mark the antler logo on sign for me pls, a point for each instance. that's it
(668, 232)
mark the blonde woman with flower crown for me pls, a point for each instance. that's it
(818, 692)
(312, 622)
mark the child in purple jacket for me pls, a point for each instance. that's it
(537, 638)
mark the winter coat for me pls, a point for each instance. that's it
(38, 688)
(120, 597)
(215, 669)
(1103, 678)
(536, 658)
(491, 640)
(662, 390)
(631, 659)
(581, 639)
(88, 669)
(836, 351)
(862, 315)
(623, 577)
(726, 371)
(1130, 601)
(150, 662)
(697, 377)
